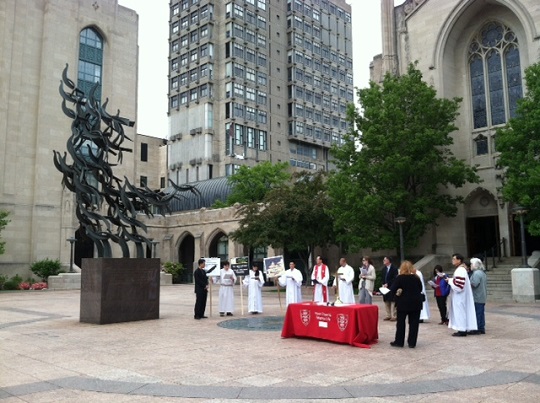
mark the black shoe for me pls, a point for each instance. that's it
(221, 314)
(473, 332)
(204, 317)
(394, 344)
(197, 317)
(459, 334)
(481, 332)
(229, 314)
(411, 346)
(421, 321)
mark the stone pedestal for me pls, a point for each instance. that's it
(525, 285)
(64, 281)
(119, 290)
(165, 278)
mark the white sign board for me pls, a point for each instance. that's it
(213, 266)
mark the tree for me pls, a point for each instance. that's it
(250, 184)
(294, 217)
(3, 222)
(396, 161)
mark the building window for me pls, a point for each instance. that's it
(144, 152)
(162, 182)
(495, 75)
(481, 145)
(90, 61)
(144, 181)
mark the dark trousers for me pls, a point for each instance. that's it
(480, 316)
(200, 303)
(414, 323)
(441, 304)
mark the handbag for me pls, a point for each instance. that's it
(423, 297)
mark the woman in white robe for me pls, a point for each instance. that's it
(424, 314)
(292, 279)
(254, 283)
(227, 279)
(461, 313)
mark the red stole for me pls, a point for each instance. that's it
(324, 288)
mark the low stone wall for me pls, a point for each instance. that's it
(72, 281)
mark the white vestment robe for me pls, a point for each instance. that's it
(254, 287)
(461, 313)
(344, 282)
(292, 279)
(320, 289)
(424, 314)
(227, 279)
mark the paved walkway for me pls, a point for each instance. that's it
(47, 355)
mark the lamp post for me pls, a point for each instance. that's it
(72, 245)
(401, 220)
(520, 212)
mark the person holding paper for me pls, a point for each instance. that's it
(292, 279)
(442, 289)
(319, 278)
(227, 279)
(344, 282)
(254, 283)
(389, 272)
(407, 289)
(201, 290)
(367, 281)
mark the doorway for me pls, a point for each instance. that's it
(483, 236)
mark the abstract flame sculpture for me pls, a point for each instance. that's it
(106, 206)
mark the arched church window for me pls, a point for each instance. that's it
(223, 248)
(90, 61)
(495, 75)
(481, 145)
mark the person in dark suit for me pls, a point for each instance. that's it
(407, 289)
(201, 290)
(389, 272)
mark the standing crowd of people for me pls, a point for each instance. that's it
(405, 298)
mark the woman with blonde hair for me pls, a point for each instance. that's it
(407, 291)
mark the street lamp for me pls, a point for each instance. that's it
(520, 211)
(401, 220)
(72, 244)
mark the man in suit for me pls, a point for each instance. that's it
(201, 290)
(389, 272)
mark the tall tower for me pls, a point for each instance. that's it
(388, 37)
(253, 80)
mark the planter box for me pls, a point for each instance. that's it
(119, 290)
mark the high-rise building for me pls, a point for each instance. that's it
(254, 80)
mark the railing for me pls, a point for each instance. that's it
(496, 251)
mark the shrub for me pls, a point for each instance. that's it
(174, 268)
(13, 283)
(3, 280)
(39, 286)
(45, 268)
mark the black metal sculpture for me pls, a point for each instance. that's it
(106, 207)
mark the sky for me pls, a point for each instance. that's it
(153, 55)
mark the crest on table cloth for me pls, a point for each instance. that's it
(305, 316)
(342, 321)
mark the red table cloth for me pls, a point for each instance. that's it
(356, 325)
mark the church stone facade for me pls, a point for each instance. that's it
(477, 51)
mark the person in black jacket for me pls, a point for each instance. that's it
(407, 289)
(201, 290)
(389, 272)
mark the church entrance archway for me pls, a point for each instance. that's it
(482, 224)
(186, 256)
(219, 246)
(84, 247)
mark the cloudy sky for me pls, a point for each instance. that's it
(153, 53)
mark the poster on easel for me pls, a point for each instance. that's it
(213, 266)
(274, 266)
(240, 265)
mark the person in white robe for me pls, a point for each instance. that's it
(254, 283)
(461, 315)
(292, 279)
(367, 281)
(424, 314)
(319, 278)
(344, 282)
(227, 279)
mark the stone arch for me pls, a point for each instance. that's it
(185, 248)
(217, 244)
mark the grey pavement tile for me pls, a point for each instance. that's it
(29, 388)
(294, 393)
(98, 385)
(188, 391)
(485, 379)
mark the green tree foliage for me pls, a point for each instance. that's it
(3, 222)
(293, 216)
(519, 147)
(396, 162)
(250, 184)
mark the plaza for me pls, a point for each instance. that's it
(47, 355)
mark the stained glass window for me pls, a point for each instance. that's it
(90, 61)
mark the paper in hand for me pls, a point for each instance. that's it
(384, 290)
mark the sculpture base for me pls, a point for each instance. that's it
(117, 290)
